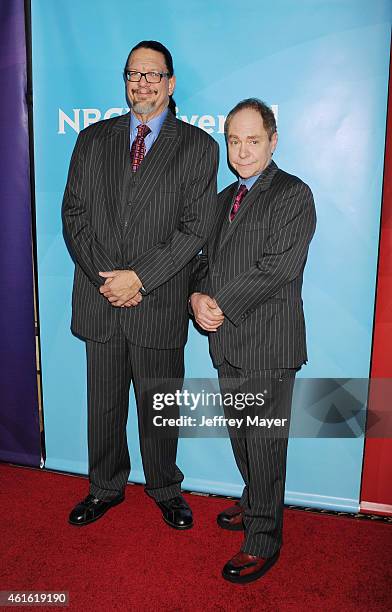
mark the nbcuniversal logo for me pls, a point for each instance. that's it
(80, 118)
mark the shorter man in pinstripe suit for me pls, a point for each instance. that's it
(247, 295)
(137, 208)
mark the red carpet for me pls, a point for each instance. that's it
(130, 560)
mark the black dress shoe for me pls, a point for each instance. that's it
(231, 518)
(91, 509)
(244, 568)
(176, 512)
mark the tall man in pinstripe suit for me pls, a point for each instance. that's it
(138, 206)
(247, 294)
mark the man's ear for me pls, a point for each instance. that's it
(172, 85)
(274, 141)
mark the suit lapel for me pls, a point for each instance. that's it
(222, 222)
(154, 165)
(115, 157)
(262, 184)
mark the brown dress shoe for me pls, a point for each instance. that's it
(231, 518)
(244, 568)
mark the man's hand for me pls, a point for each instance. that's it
(120, 286)
(134, 301)
(207, 312)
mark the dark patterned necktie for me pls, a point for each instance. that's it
(138, 149)
(241, 193)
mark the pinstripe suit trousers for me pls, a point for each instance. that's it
(111, 366)
(260, 455)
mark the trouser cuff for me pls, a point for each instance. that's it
(165, 493)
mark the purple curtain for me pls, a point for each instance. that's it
(19, 425)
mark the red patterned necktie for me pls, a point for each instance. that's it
(138, 149)
(241, 193)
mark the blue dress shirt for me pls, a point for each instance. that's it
(249, 182)
(154, 124)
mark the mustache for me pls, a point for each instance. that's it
(148, 91)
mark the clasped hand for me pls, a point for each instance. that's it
(121, 288)
(207, 312)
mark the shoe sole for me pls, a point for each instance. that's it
(179, 527)
(251, 577)
(116, 503)
(223, 525)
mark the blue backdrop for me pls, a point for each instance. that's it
(323, 65)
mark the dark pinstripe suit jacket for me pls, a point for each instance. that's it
(253, 267)
(154, 222)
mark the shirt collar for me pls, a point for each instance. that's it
(154, 124)
(249, 182)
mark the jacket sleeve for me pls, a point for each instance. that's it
(292, 228)
(164, 260)
(199, 280)
(199, 277)
(81, 239)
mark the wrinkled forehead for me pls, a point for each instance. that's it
(246, 123)
(147, 59)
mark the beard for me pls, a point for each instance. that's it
(143, 108)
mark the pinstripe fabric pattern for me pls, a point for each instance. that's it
(111, 366)
(261, 460)
(170, 208)
(153, 221)
(253, 267)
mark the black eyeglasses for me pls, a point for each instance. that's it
(151, 77)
